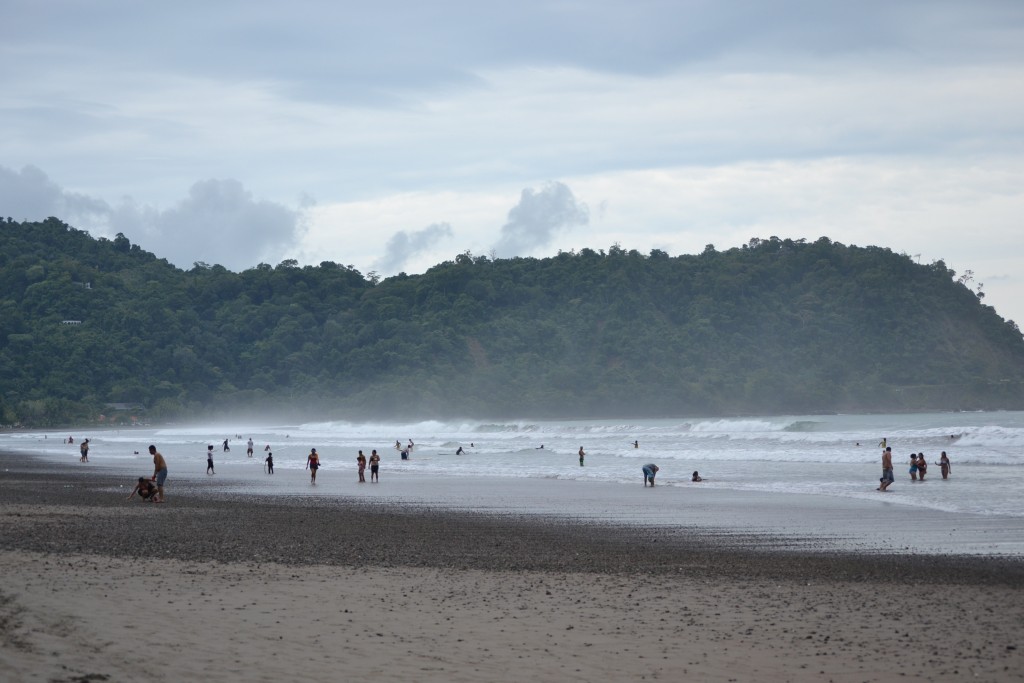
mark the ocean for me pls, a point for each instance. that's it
(836, 456)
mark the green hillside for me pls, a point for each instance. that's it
(776, 326)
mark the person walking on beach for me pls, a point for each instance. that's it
(226, 449)
(270, 463)
(650, 470)
(312, 464)
(922, 466)
(361, 463)
(887, 477)
(374, 466)
(209, 460)
(84, 450)
(249, 448)
(581, 456)
(159, 473)
(944, 465)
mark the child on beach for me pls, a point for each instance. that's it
(209, 460)
(913, 466)
(270, 463)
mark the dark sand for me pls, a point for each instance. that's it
(436, 594)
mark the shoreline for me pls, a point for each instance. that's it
(241, 587)
(84, 510)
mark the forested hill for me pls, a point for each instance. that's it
(776, 326)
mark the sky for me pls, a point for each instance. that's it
(395, 135)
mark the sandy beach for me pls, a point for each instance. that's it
(235, 587)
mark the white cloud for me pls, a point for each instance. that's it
(404, 245)
(218, 222)
(538, 217)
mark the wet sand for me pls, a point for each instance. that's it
(233, 586)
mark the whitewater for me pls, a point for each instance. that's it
(823, 455)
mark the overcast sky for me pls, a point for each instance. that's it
(395, 135)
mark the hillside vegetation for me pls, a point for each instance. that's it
(774, 326)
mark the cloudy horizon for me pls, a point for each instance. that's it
(397, 136)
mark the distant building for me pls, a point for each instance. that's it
(125, 406)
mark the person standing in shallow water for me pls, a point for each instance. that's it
(270, 463)
(312, 464)
(944, 465)
(887, 476)
(374, 466)
(650, 470)
(209, 460)
(581, 456)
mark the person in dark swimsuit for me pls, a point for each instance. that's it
(312, 464)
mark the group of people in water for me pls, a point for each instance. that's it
(152, 489)
(918, 466)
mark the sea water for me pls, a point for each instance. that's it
(837, 456)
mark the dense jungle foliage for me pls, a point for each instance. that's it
(775, 326)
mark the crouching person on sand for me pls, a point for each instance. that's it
(145, 489)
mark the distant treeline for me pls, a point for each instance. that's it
(774, 326)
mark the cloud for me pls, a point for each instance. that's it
(405, 245)
(539, 215)
(31, 195)
(219, 221)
